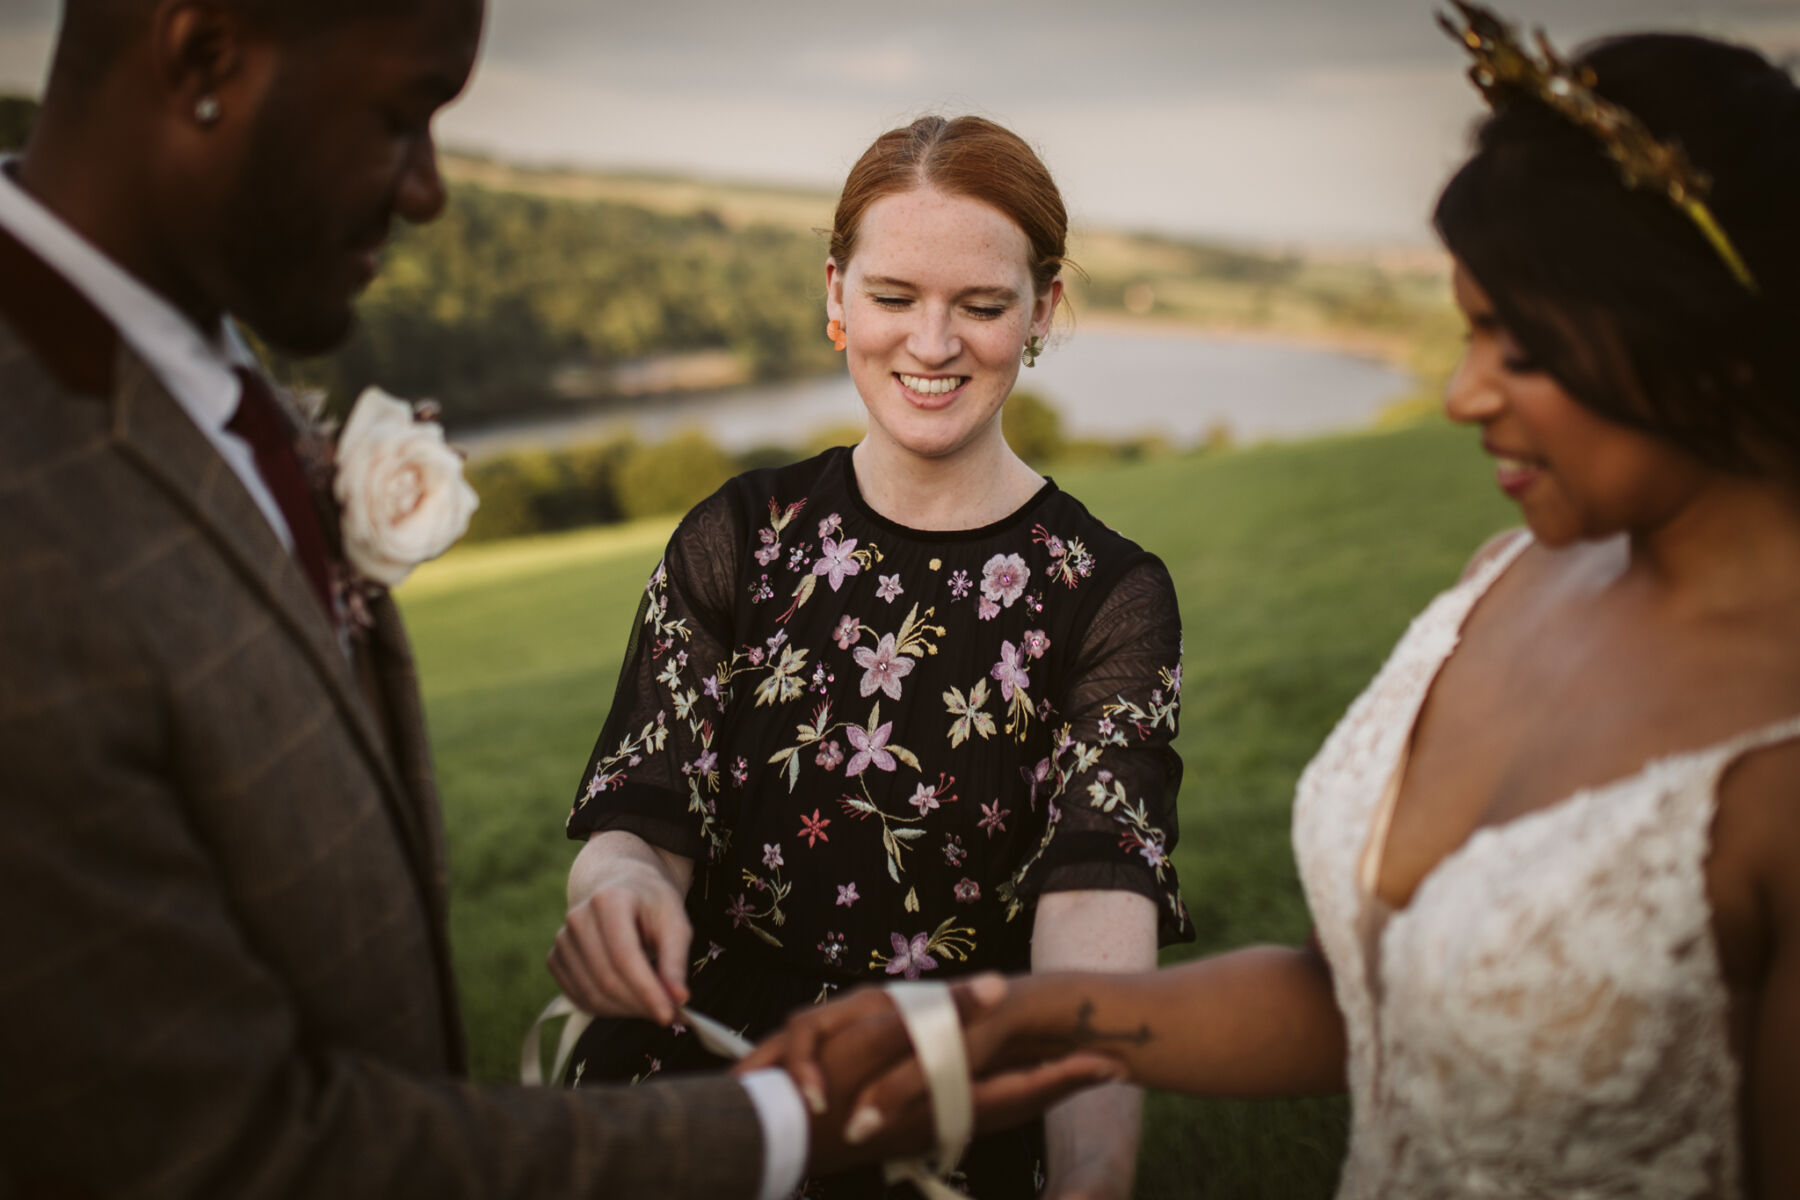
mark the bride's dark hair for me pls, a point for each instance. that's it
(1615, 291)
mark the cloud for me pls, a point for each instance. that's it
(1285, 119)
(24, 58)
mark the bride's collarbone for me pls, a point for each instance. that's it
(1516, 724)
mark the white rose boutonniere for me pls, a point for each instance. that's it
(399, 486)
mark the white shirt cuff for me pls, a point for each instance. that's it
(784, 1126)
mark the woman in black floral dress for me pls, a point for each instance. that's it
(902, 710)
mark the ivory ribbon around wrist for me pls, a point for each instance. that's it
(926, 1011)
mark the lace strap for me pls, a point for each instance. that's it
(1776, 732)
(1495, 560)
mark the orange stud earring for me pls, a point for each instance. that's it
(835, 331)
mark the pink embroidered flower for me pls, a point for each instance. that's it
(1003, 578)
(846, 633)
(1153, 853)
(835, 561)
(924, 798)
(883, 668)
(967, 891)
(829, 755)
(771, 547)
(813, 829)
(706, 762)
(1010, 671)
(987, 610)
(954, 853)
(910, 959)
(710, 685)
(960, 583)
(740, 911)
(890, 587)
(830, 525)
(993, 818)
(756, 656)
(1034, 643)
(775, 642)
(871, 748)
(847, 895)
(772, 855)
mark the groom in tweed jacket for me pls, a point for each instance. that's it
(223, 962)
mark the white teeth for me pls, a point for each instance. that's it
(932, 387)
(1511, 464)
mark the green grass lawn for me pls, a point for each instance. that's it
(1297, 567)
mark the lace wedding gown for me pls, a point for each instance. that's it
(1546, 1017)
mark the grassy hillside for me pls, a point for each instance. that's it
(1297, 567)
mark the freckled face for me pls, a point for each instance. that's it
(1574, 473)
(937, 303)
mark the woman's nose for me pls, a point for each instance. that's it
(1473, 393)
(933, 340)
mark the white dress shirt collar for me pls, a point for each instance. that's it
(195, 367)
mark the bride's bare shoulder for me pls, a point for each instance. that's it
(1753, 881)
(1491, 549)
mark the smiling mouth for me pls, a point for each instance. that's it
(932, 387)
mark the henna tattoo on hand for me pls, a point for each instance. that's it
(1085, 1034)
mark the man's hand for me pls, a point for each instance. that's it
(626, 904)
(853, 1062)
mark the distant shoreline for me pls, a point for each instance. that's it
(1388, 349)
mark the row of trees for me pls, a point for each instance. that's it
(540, 491)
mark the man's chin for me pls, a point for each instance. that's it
(304, 334)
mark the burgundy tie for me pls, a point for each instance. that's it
(259, 421)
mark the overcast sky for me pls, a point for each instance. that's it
(1283, 121)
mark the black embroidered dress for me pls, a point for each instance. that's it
(880, 745)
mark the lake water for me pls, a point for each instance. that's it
(1105, 382)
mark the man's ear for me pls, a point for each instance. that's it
(197, 54)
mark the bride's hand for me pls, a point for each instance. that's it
(626, 909)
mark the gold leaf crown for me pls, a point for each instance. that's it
(1644, 161)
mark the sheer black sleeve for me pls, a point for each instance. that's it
(655, 770)
(1114, 775)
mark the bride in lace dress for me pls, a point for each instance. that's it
(1553, 851)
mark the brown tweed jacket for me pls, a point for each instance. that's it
(223, 962)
